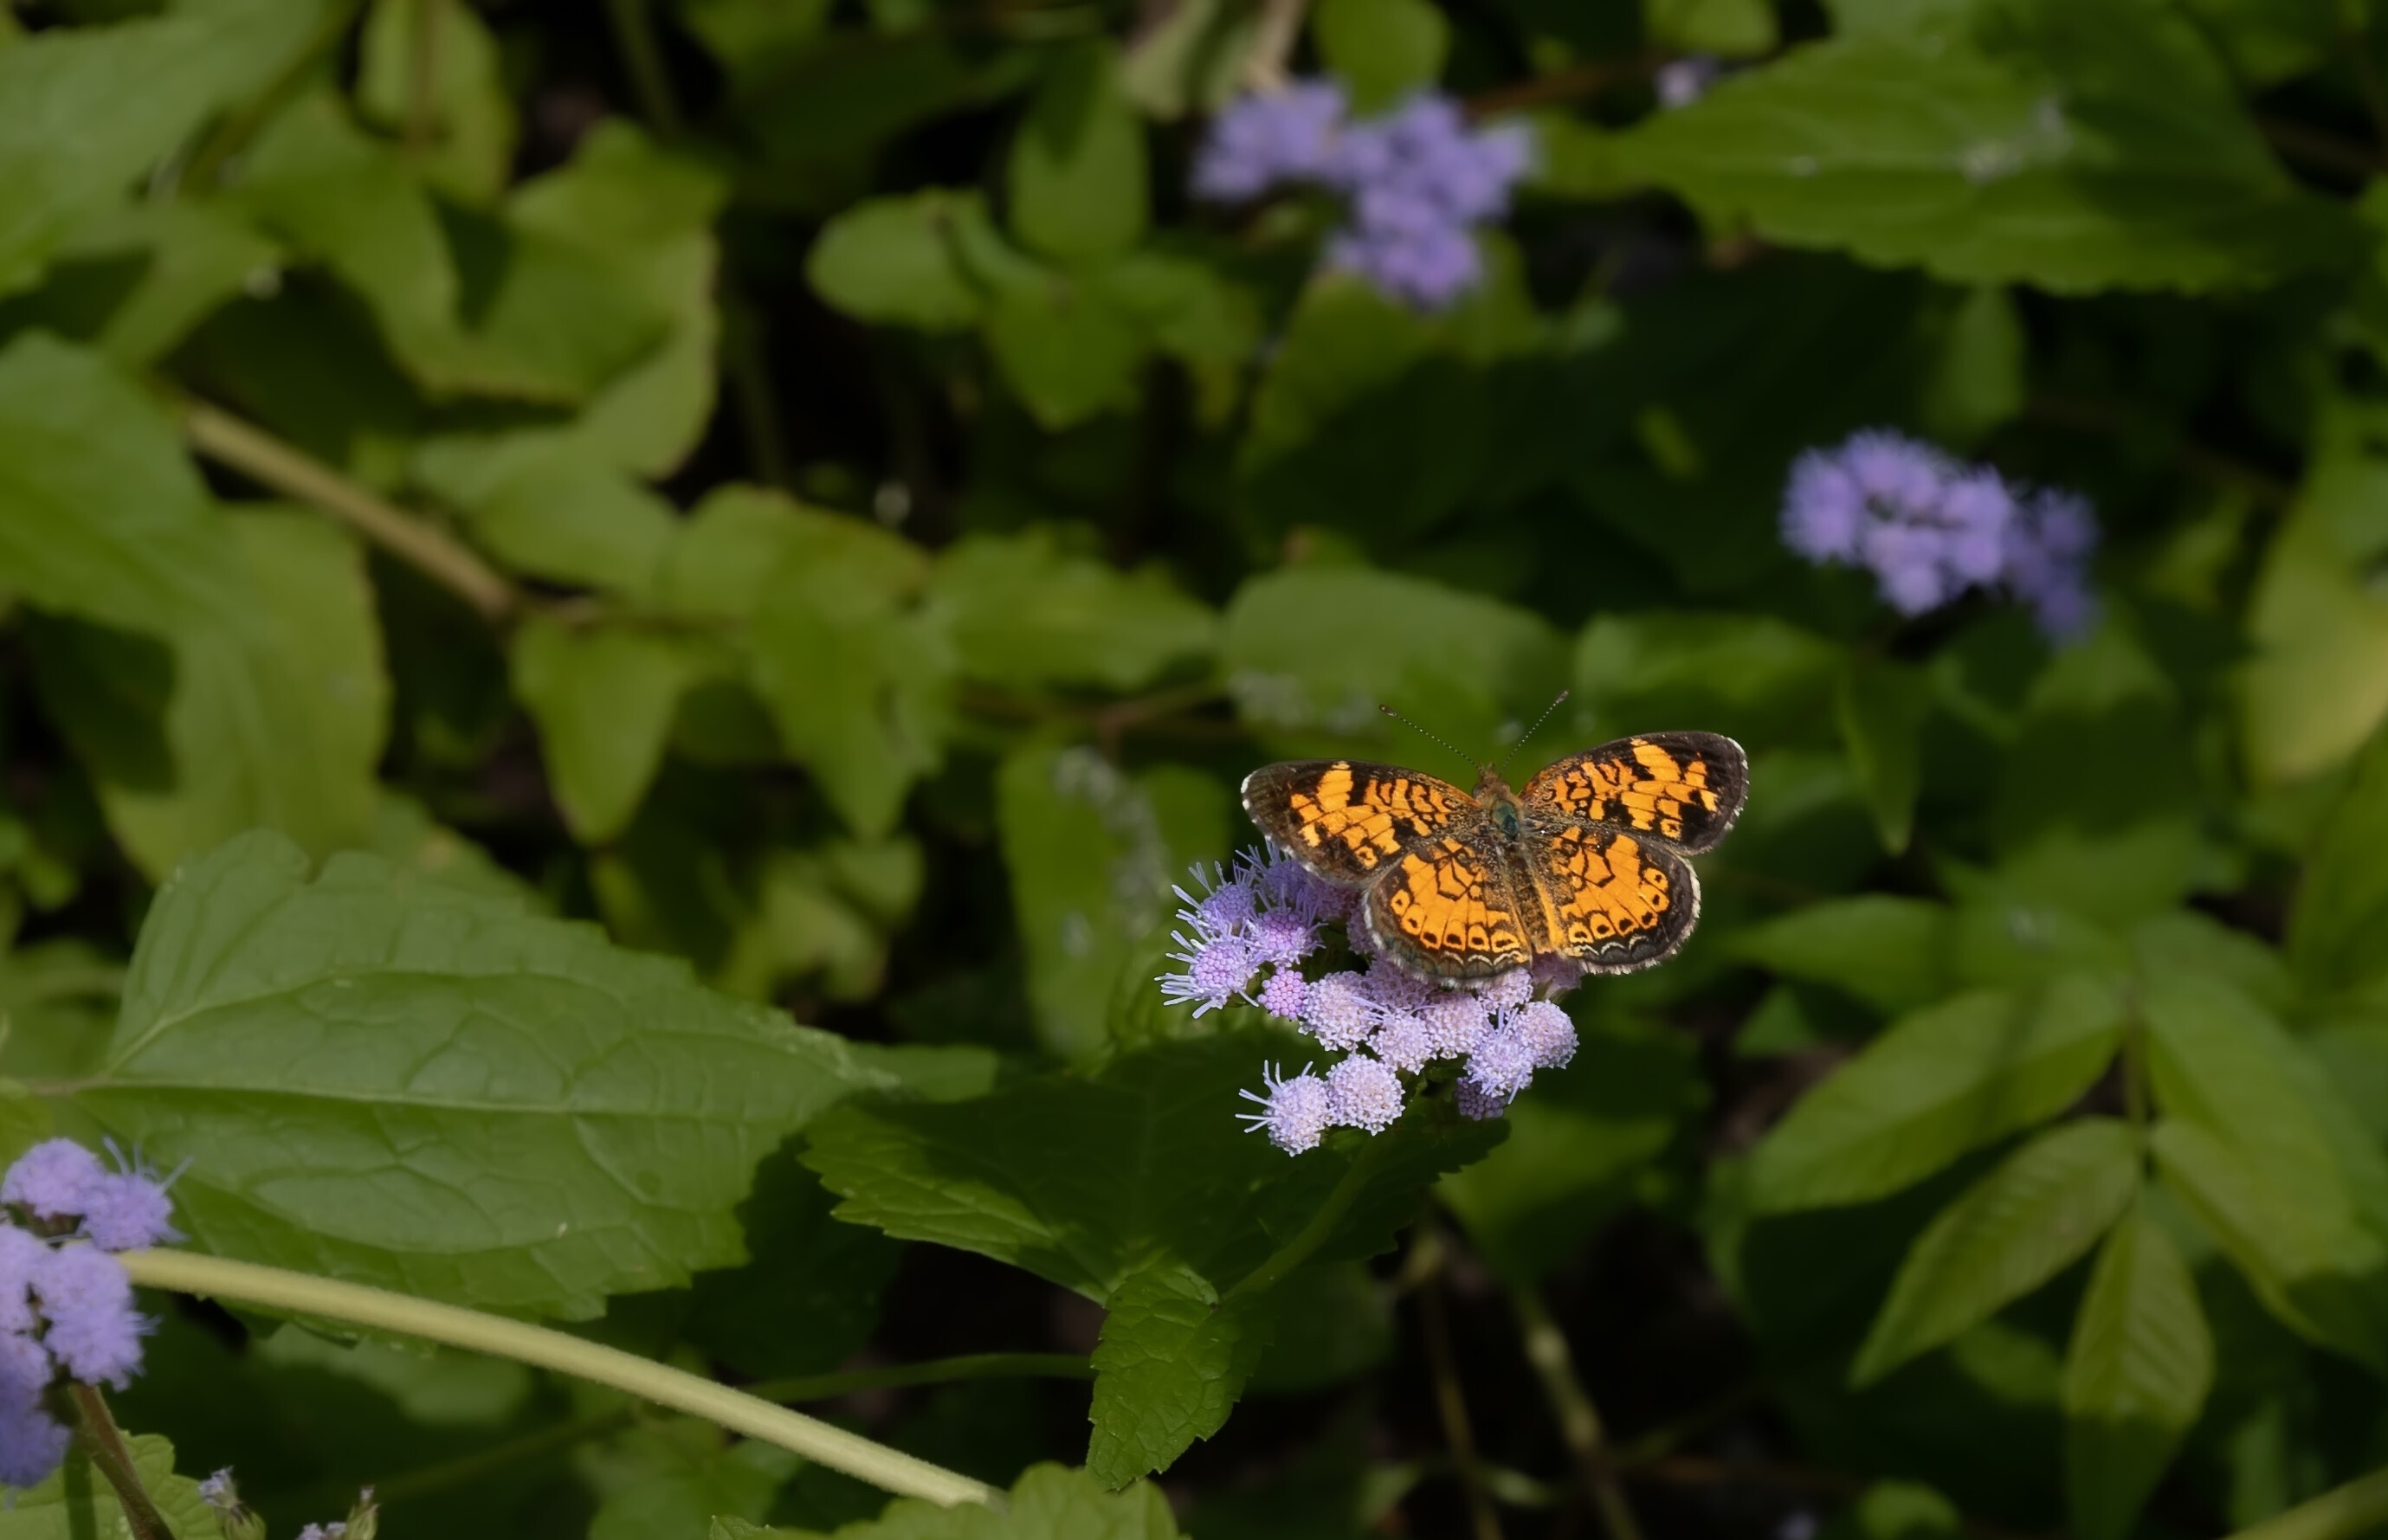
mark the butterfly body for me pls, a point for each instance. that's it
(1587, 863)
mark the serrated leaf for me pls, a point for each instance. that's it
(1078, 179)
(604, 698)
(2137, 1375)
(272, 716)
(1381, 50)
(2271, 1162)
(1173, 1362)
(1881, 708)
(1938, 1083)
(2073, 147)
(1022, 612)
(383, 1078)
(2033, 1216)
(76, 1503)
(1892, 952)
(1048, 1502)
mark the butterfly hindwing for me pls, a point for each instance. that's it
(1682, 789)
(1452, 906)
(1345, 819)
(1610, 901)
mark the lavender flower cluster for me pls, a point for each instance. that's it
(66, 1305)
(1930, 527)
(1416, 180)
(1253, 926)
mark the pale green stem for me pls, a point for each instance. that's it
(2359, 1507)
(1579, 1425)
(106, 1449)
(276, 1289)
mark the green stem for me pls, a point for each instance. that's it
(98, 1433)
(424, 546)
(2359, 1507)
(1579, 1425)
(642, 56)
(935, 1371)
(1294, 1253)
(276, 1289)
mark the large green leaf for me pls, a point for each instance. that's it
(1892, 952)
(1749, 677)
(465, 112)
(1381, 50)
(1173, 1360)
(380, 1077)
(1048, 1502)
(1023, 611)
(2074, 147)
(604, 698)
(1078, 179)
(76, 1502)
(2138, 1373)
(1939, 1082)
(2036, 1213)
(2342, 904)
(899, 259)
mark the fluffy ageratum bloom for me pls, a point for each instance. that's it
(1364, 1092)
(128, 1208)
(1338, 1010)
(1217, 970)
(1474, 1100)
(21, 1253)
(1502, 1063)
(1295, 1112)
(1405, 1042)
(1283, 936)
(1544, 1033)
(94, 1333)
(52, 1180)
(1931, 529)
(32, 1442)
(1456, 1023)
(1282, 995)
(1265, 142)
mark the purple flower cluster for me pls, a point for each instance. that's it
(1930, 527)
(66, 1305)
(1416, 180)
(1253, 926)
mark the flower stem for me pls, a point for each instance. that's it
(642, 56)
(277, 1289)
(2359, 1507)
(1294, 1253)
(1579, 1425)
(1450, 1396)
(424, 546)
(106, 1445)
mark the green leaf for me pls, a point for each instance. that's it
(809, 1294)
(1069, 353)
(1026, 613)
(1078, 179)
(1749, 676)
(1978, 379)
(1381, 50)
(385, 1080)
(1939, 1082)
(76, 1501)
(1192, 59)
(468, 149)
(2035, 1214)
(547, 506)
(603, 697)
(2273, 1164)
(855, 674)
(1882, 708)
(1580, 1149)
(1309, 660)
(897, 259)
(2073, 147)
(1733, 29)
(2138, 1373)
(74, 138)
(1892, 952)
(193, 258)
(678, 1491)
(276, 714)
(1048, 1503)
(101, 516)
(2341, 902)
(1092, 853)
(1171, 1363)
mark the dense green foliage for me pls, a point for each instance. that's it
(803, 487)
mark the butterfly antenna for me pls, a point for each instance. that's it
(1531, 731)
(1422, 732)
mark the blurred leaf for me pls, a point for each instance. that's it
(894, 260)
(1381, 50)
(2040, 1210)
(547, 509)
(1172, 1362)
(1882, 708)
(469, 1103)
(77, 1502)
(75, 137)
(276, 714)
(2073, 147)
(1939, 1082)
(2141, 1364)
(1580, 1148)
(824, 918)
(1077, 177)
(1024, 612)
(1068, 352)
(1092, 854)
(603, 697)
(1325, 1325)
(1748, 677)
(135, 280)
(1733, 29)
(1309, 657)
(1891, 953)
(2271, 1163)
(2341, 902)
(468, 147)
(1048, 1503)
(1191, 60)
(1977, 383)
(685, 1491)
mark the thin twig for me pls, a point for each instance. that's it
(1265, 67)
(642, 56)
(1450, 1397)
(424, 546)
(106, 1447)
(1579, 1425)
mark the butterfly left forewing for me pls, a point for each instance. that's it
(1682, 789)
(1345, 819)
